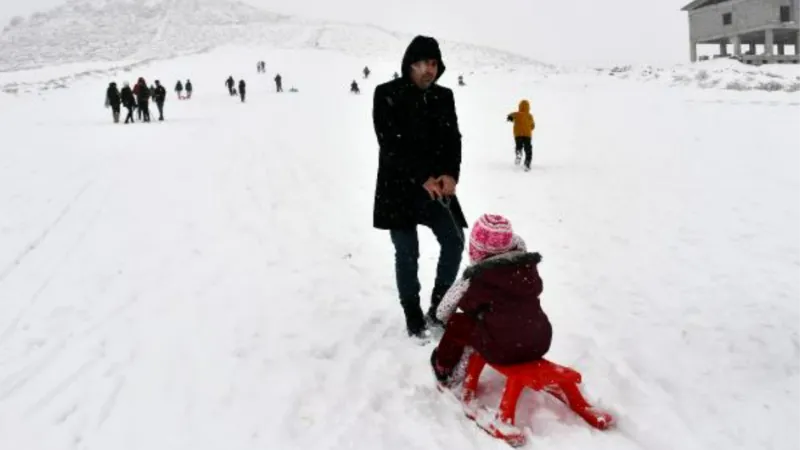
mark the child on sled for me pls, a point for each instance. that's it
(498, 296)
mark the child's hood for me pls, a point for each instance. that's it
(513, 273)
(508, 259)
(505, 264)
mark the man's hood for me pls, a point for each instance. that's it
(420, 49)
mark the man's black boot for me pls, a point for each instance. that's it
(436, 299)
(415, 320)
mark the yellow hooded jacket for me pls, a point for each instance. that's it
(523, 120)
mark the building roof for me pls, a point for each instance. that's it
(697, 4)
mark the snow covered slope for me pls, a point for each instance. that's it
(87, 38)
(112, 30)
(213, 282)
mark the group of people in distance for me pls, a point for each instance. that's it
(138, 97)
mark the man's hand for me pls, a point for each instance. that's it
(448, 185)
(434, 188)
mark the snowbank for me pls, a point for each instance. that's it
(715, 74)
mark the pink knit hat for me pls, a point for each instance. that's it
(491, 235)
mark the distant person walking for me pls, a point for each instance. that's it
(113, 101)
(128, 101)
(179, 89)
(136, 88)
(142, 93)
(160, 96)
(242, 87)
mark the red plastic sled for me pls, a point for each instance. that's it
(558, 381)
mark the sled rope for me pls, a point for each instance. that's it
(445, 202)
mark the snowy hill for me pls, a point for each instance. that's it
(87, 38)
(114, 30)
(110, 30)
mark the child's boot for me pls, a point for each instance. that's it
(443, 376)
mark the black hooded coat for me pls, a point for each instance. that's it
(418, 135)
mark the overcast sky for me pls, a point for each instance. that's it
(558, 31)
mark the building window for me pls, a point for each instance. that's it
(727, 18)
(786, 14)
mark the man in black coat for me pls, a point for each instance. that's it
(128, 101)
(113, 101)
(142, 93)
(420, 161)
(242, 86)
(179, 89)
(160, 96)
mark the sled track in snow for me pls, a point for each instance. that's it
(34, 244)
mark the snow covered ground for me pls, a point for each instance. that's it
(213, 281)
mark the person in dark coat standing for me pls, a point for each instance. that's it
(419, 165)
(143, 99)
(128, 101)
(136, 88)
(242, 86)
(179, 89)
(278, 83)
(160, 96)
(113, 100)
(501, 316)
(230, 83)
(189, 89)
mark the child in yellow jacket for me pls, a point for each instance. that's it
(523, 132)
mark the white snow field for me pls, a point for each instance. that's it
(213, 281)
